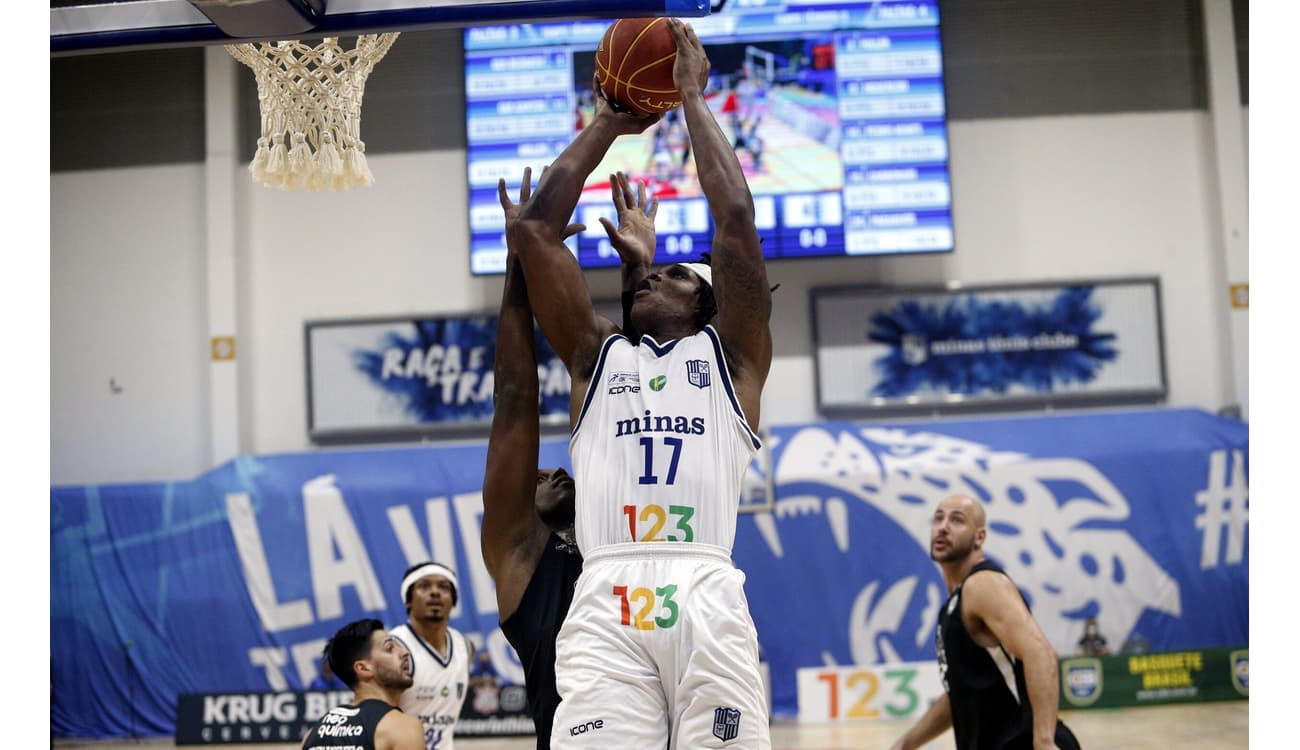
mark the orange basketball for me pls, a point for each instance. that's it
(634, 65)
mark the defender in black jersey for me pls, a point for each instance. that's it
(999, 671)
(377, 668)
(528, 514)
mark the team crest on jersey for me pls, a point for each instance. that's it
(658, 382)
(1240, 663)
(726, 723)
(1082, 681)
(697, 372)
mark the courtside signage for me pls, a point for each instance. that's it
(1212, 674)
(247, 718)
(878, 691)
(285, 717)
(1023, 345)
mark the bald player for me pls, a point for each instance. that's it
(999, 672)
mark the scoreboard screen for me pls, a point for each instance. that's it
(835, 111)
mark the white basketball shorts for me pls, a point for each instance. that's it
(659, 650)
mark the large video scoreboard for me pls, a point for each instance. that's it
(836, 112)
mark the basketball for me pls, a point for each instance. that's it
(634, 65)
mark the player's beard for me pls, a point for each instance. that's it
(440, 615)
(956, 550)
(393, 678)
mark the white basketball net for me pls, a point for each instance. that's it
(310, 99)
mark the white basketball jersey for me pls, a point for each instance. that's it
(661, 445)
(439, 689)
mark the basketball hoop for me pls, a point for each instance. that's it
(310, 100)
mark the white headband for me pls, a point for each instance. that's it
(703, 270)
(428, 569)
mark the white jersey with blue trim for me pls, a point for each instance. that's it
(438, 691)
(661, 445)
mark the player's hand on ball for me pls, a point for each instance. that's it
(625, 123)
(691, 71)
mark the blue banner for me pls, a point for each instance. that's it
(393, 376)
(233, 581)
(919, 349)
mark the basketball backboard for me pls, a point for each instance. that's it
(86, 26)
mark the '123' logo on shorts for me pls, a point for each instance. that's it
(726, 723)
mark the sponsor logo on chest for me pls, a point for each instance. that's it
(652, 423)
(623, 382)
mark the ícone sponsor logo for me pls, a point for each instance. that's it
(588, 726)
(624, 382)
(1082, 681)
(726, 723)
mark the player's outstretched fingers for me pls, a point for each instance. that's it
(628, 198)
(616, 193)
(526, 187)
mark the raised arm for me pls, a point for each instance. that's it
(561, 300)
(633, 239)
(513, 536)
(739, 274)
(994, 601)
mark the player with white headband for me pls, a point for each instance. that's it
(658, 643)
(440, 654)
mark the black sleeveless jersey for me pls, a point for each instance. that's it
(349, 727)
(986, 686)
(533, 627)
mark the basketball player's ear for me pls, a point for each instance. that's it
(980, 535)
(363, 669)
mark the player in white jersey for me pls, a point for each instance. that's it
(440, 654)
(658, 644)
